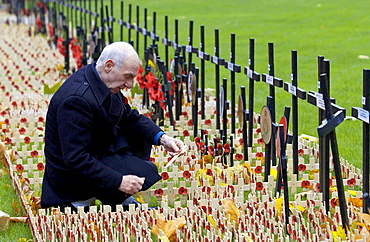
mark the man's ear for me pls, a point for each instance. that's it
(108, 65)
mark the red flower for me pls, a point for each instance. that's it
(230, 188)
(22, 130)
(14, 104)
(351, 182)
(300, 152)
(185, 133)
(205, 131)
(185, 114)
(34, 153)
(209, 172)
(258, 131)
(238, 157)
(207, 122)
(152, 159)
(158, 192)
(258, 169)
(40, 166)
(27, 140)
(259, 155)
(19, 168)
(259, 186)
(6, 121)
(260, 141)
(190, 122)
(240, 131)
(40, 128)
(183, 191)
(241, 141)
(186, 174)
(41, 120)
(167, 115)
(8, 141)
(206, 189)
(227, 148)
(165, 175)
(197, 140)
(23, 120)
(317, 187)
(301, 167)
(211, 150)
(333, 202)
(305, 184)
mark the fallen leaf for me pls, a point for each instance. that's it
(168, 228)
(231, 211)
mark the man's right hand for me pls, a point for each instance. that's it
(131, 184)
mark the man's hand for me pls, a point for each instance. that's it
(131, 184)
(172, 145)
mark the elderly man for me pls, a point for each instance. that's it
(96, 146)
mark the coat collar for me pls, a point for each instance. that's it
(98, 87)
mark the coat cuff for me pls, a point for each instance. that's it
(158, 137)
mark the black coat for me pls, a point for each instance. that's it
(88, 131)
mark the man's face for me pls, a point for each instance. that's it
(122, 78)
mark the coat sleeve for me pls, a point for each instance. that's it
(75, 118)
(135, 124)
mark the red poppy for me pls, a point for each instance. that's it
(207, 209)
(259, 186)
(205, 131)
(238, 157)
(3, 113)
(305, 184)
(190, 122)
(351, 182)
(219, 147)
(197, 140)
(317, 187)
(260, 141)
(333, 202)
(27, 140)
(40, 166)
(34, 153)
(294, 219)
(207, 122)
(258, 131)
(240, 131)
(20, 168)
(22, 130)
(8, 141)
(186, 174)
(300, 152)
(206, 189)
(158, 192)
(167, 115)
(230, 188)
(165, 175)
(14, 104)
(258, 169)
(41, 120)
(301, 167)
(23, 120)
(40, 128)
(209, 172)
(152, 159)
(227, 148)
(185, 114)
(241, 141)
(211, 150)
(6, 121)
(183, 191)
(185, 133)
(259, 155)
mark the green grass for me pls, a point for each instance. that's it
(8, 197)
(337, 30)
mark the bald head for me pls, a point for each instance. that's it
(120, 53)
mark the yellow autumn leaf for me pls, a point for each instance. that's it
(231, 211)
(341, 233)
(355, 201)
(168, 227)
(351, 192)
(273, 172)
(211, 220)
(299, 207)
(279, 205)
(247, 237)
(139, 197)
